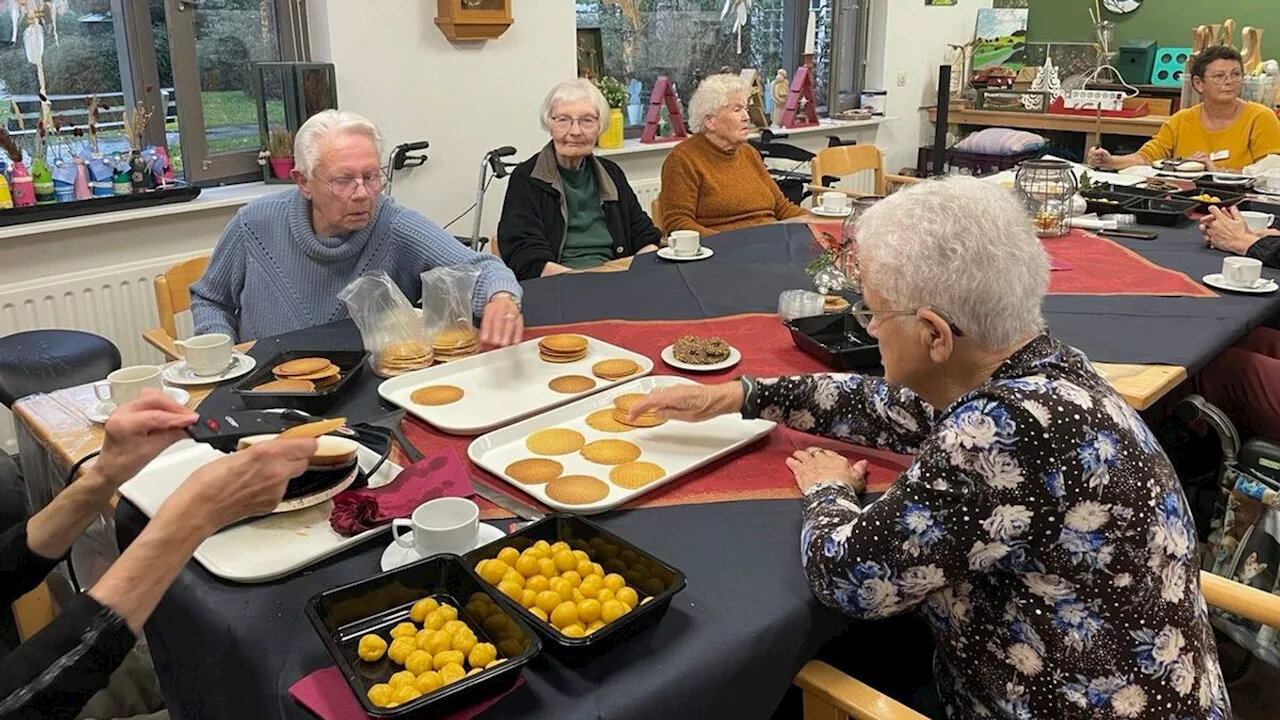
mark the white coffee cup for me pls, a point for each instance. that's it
(1257, 220)
(834, 202)
(206, 355)
(1241, 271)
(1271, 180)
(126, 384)
(443, 525)
(685, 243)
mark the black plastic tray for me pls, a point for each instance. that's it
(1226, 199)
(60, 211)
(1168, 213)
(350, 363)
(1130, 190)
(1207, 182)
(343, 615)
(1121, 201)
(649, 576)
(838, 340)
(1262, 206)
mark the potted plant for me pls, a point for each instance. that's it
(616, 95)
(280, 153)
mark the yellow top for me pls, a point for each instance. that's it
(1253, 136)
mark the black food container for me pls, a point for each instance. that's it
(839, 341)
(350, 364)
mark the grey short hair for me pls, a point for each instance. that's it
(713, 93)
(306, 145)
(571, 91)
(963, 246)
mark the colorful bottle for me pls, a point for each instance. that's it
(6, 200)
(81, 183)
(42, 181)
(138, 172)
(24, 192)
(120, 182)
(99, 177)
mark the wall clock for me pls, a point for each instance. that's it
(473, 19)
(1122, 7)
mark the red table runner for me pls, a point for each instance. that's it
(755, 473)
(1086, 264)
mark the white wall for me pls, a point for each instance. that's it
(908, 36)
(395, 66)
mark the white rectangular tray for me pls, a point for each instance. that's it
(265, 549)
(678, 447)
(503, 386)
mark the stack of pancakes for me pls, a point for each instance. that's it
(623, 404)
(309, 374)
(398, 358)
(456, 343)
(562, 348)
(334, 462)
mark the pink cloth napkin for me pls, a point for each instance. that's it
(434, 476)
(326, 693)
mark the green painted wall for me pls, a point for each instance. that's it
(1168, 22)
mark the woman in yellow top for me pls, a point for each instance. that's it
(1223, 132)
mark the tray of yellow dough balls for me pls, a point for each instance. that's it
(427, 635)
(582, 588)
(588, 456)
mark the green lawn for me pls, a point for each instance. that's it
(228, 109)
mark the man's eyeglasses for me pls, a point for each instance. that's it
(345, 186)
(564, 122)
(865, 315)
(1223, 78)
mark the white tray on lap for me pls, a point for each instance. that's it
(678, 447)
(264, 549)
(503, 386)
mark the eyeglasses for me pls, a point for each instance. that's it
(345, 186)
(865, 315)
(1223, 78)
(564, 122)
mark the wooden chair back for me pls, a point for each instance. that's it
(845, 160)
(173, 290)
(655, 214)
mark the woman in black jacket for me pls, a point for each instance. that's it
(566, 209)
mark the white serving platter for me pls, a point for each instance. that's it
(502, 386)
(264, 549)
(678, 447)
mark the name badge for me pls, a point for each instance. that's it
(1220, 155)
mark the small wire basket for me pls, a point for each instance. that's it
(1046, 187)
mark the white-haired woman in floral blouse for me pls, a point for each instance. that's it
(1041, 530)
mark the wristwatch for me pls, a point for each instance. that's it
(514, 299)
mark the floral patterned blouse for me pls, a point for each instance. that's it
(1041, 530)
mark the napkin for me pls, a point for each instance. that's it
(434, 476)
(326, 693)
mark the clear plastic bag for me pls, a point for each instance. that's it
(446, 311)
(388, 324)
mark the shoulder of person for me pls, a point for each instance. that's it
(524, 170)
(407, 223)
(268, 208)
(1257, 111)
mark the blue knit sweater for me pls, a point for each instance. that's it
(270, 273)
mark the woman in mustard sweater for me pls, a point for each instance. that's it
(714, 181)
(1223, 132)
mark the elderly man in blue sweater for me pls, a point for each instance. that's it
(282, 260)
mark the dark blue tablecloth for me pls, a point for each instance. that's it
(735, 637)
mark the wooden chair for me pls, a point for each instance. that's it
(33, 611)
(173, 295)
(845, 160)
(831, 695)
(655, 214)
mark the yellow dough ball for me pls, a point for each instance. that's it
(614, 582)
(446, 657)
(564, 615)
(439, 642)
(581, 555)
(594, 626)
(453, 626)
(435, 620)
(543, 547)
(402, 678)
(573, 631)
(591, 586)
(452, 673)
(527, 565)
(628, 596)
(527, 598)
(428, 681)
(380, 694)
(565, 561)
(548, 600)
(547, 568)
(513, 576)
(612, 610)
(406, 693)
(404, 629)
(605, 594)
(511, 590)
(588, 611)
(537, 583)
(400, 649)
(508, 555)
(371, 648)
(578, 596)
(584, 568)
(562, 588)
(482, 654)
(559, 547)
(493, 571)
(423, 638)
(448, 611)
(597, 569)
(540, 613)
(422, 608)
(464, 642)
(418, 662)
(572, 577)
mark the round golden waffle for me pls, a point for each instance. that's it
(555, 441)
(433, 395)
(577, 489)
(603, 421)
(615, 369)
(300, 366)
(562, 344)
(571, 384)
(610, 452)
(287, 385)
(534, 471)
(635, 475)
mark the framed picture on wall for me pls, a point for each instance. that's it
(590, 53)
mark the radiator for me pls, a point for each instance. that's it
(118, 303)
(646, 192)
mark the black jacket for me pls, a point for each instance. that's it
(1266, 249)
(532, 230)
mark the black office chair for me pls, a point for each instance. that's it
(40, 361)
(794, 185)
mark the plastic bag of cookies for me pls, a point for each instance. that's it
(389, 327)
(447, 314)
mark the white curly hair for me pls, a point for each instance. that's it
(306, 145)
(571, 91)
(713, 93)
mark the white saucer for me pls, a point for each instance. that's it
(397, 555)
(823, 212)
(179, 374)
(100, 412)
(667, 253)
(1265, 191)
(1216, 280)
(1229, 179)
(669, 357)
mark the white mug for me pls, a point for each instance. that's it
(833, 201)
(206, 355)
(443, 525)
(1257, 220)
(1241, 271)
(685, 243)
(126, 384)
(1271, 180)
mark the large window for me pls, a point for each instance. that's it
(636, 41)
(185, 62)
